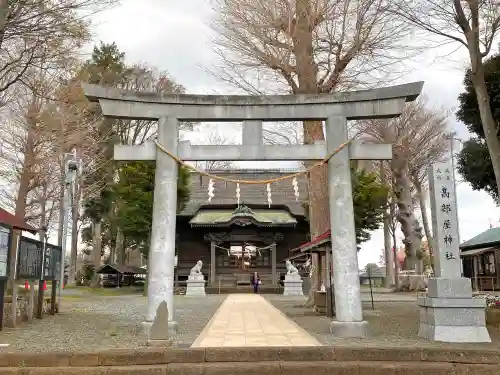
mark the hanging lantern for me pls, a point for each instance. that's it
(269, 200)
(211, 189)
(238, 193)
(295, 184)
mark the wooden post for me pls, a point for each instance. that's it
(53, 295)
(2, 295)
(39, 311)
(31, 300)
(371, 288)
(212, 263)
(273, 264)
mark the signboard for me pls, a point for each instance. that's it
(444, 219)
(52, 262)
(5, 241)
(29, 259)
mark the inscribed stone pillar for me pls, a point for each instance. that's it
(348, 308)
(273, 264)
(212, 263)
(448, 312)
(162, 247)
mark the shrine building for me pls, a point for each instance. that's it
(234, 240)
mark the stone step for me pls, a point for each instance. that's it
(345, 360)
(271, 368)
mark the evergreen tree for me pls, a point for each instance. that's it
(474, 162)
(134, 193)
(370, 203)
(369, 197)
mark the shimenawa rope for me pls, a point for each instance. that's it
(251, 182)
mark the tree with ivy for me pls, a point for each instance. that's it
(474, 162)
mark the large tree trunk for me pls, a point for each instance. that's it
(406, 215)
(20, 212)
(319, 213)
(96, 254)
(396, 261)
(388, 253)
(425, 220)
(119, 250)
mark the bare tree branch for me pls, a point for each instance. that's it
(474, 24)
(42, 34)
(351, 43)
(418, 137)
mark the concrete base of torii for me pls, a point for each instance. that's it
(145, 328)
(349, 329)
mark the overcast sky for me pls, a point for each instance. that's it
(174, 35)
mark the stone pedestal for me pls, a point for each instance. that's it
(320, 301)
(195, 286)
(449, 313)
(293, 285)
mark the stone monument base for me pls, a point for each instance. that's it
(195, 286)
(293, 286)
(349, 329)
(450, 314)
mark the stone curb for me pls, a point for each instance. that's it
(159, 356)
(269, 368)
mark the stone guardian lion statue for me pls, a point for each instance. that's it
(196, 270)
(291, 269)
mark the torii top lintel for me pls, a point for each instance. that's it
(386, 102)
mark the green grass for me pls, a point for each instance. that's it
(72, 297)
(71, 287)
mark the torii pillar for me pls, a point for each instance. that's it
(336, 109)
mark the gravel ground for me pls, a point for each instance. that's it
(106, 322)
(391, 323)
(90, 323)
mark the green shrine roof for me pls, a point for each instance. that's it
(489, 238)
(243, 216)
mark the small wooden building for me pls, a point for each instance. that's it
(119, 274)
(481, 260)
(234, 240)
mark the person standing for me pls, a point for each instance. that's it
(255, 281)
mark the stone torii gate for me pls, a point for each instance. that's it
(336, 109)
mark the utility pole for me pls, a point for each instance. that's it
(71, 166)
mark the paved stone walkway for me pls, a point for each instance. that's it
(250, 320)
